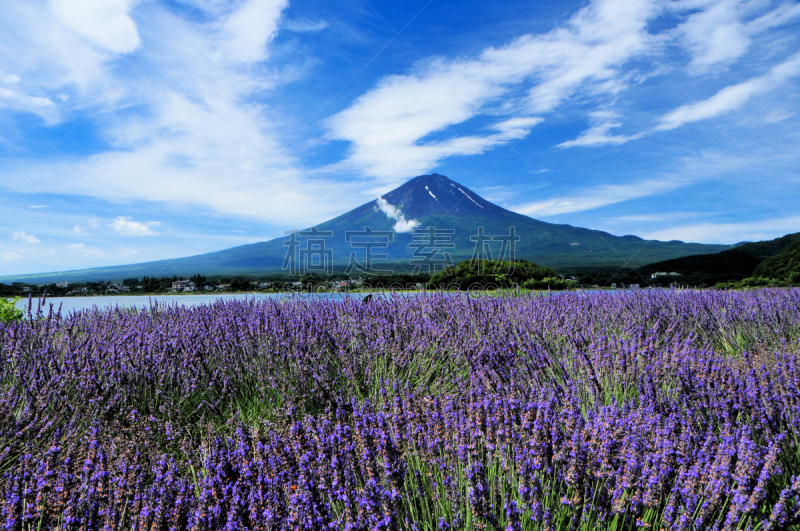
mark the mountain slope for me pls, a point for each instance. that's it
(734, 264)
(767, 248)
(782, 265)
(425, 201)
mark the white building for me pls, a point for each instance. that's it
(184, 285)
(661, 274)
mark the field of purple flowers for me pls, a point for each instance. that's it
(649, 409)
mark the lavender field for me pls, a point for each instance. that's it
(649, 409)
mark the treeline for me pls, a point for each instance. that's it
(472, 275)
(737, 268)
(767, 263)
(267, 283)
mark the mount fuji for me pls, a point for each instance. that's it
(424, 224)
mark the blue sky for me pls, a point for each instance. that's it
(141, 130)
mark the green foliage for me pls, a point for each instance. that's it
(751, 261)
(782, 265)
(754, 282)
(735, 264)
(769, 248)
(240, 284)
(8, 310)
(490, 274)
(553, 283)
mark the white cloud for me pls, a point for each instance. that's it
(392, 212)
(778, 115)
(77, 229)
(190, 134)
(10, 256)
(765, 229)
(24, 237)
(718, 32)
(597, 134)
(128, 227)
(731, 97)
(725, 100)
(247, 30)
(128, 252)
(54, 56)
(388, 125)
(106, 23)
(643, 218)
(405, 225)
(781, 15)
(32, 104)
(305, 26)
(714, 35)
(81, 250)
(689, 170)
(599, 196)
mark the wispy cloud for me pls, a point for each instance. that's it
(54, 53)
(193, 130)
(388, 126)
(641, 218)
(597, 134)
(305, 26)
(128, 227)
(731, 97)
(82, 250)
(24, 237)
(708, 165)
(719, 32)
(245, 32)
(44, 107)
(596, 197)
(10, 256)
(106, 23)
(726, 100)
(764, 229)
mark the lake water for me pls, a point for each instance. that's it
(72, 304)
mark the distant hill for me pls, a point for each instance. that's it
(734, 264)
(425, 201)
(768, 248)
(743, 261)
(782, 265)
